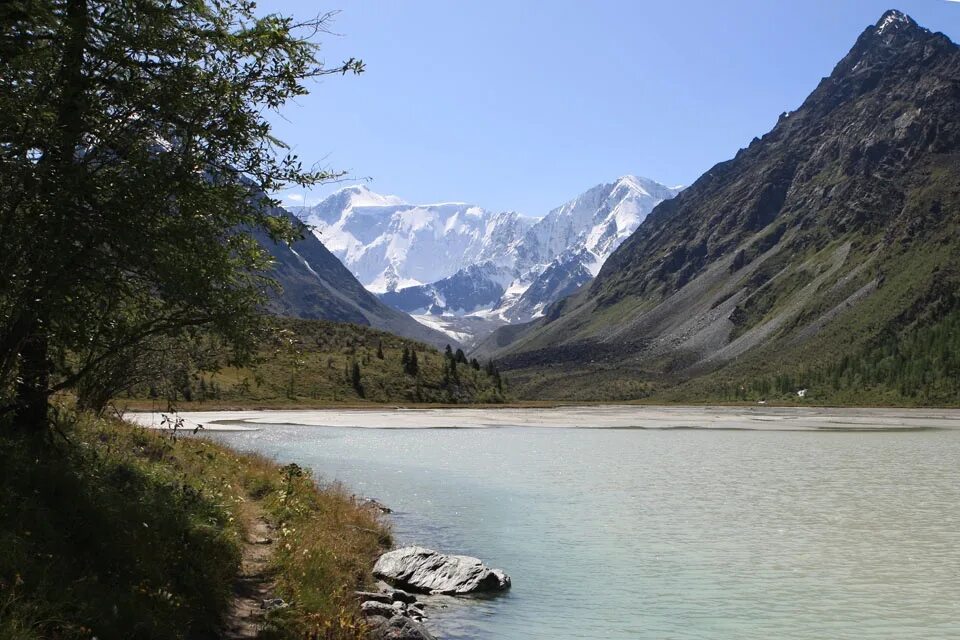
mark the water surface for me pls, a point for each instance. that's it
(667, 533)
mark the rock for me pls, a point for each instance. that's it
(376, 505)
(378, 596)
(426, 571)
(402, 596)
(374, 608)
(272, 604)
(398, 628)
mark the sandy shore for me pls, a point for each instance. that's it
(604, 417)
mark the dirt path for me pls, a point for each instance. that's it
(255, 584)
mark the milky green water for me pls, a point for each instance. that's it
(682, 534)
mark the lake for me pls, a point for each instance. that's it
(668, 523)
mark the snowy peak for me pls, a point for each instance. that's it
(390, 244)
(892, 20)
(454, 259)
(598, 220)
(569, 245)
(347, 200)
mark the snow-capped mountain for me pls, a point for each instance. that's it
(568, 246)
(446, 261)
(390, 245)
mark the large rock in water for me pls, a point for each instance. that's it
(428, 571)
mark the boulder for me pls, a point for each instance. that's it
(426, 571)
(401, 596)
(398, 628)
(373, 608)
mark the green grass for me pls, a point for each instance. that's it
(113, 531)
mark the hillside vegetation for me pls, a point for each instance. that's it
(314, 362)
(120, 532)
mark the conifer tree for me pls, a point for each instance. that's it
(413, 367)
(355, 378)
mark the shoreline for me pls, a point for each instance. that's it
(147, 406)
(638, 417)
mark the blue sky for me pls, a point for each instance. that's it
(523, 104)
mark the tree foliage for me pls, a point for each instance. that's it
(135, 155)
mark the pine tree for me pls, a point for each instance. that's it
(413, 366)
(355, 378)
(461, 357)
(475, 364)
(380, 349)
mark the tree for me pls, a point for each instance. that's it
(475, 364)
(461, 357)
(136, 154)
(413, 367)
(448, 352)
(380, 349)
(355, 378)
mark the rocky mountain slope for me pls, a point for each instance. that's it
(833, 234)
(315, 285)
(469, 270)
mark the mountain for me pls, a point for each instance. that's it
(315, 285)
(567, 247)
(815, 257)
(467, 270)
(389, 244)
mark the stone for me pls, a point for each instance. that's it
(376, 505)
(272, 604)
(402, 596)
(378, 596)
(426, 571)
(398, 628)
(374, 608)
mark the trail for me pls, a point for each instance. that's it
(255, 584)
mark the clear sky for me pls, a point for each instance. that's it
(523, 104)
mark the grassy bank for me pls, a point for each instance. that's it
(113, 531)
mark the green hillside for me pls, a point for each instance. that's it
(316, 362)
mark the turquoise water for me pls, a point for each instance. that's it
(673, 534)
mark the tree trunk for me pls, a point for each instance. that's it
(33, 375)
(33, 383)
